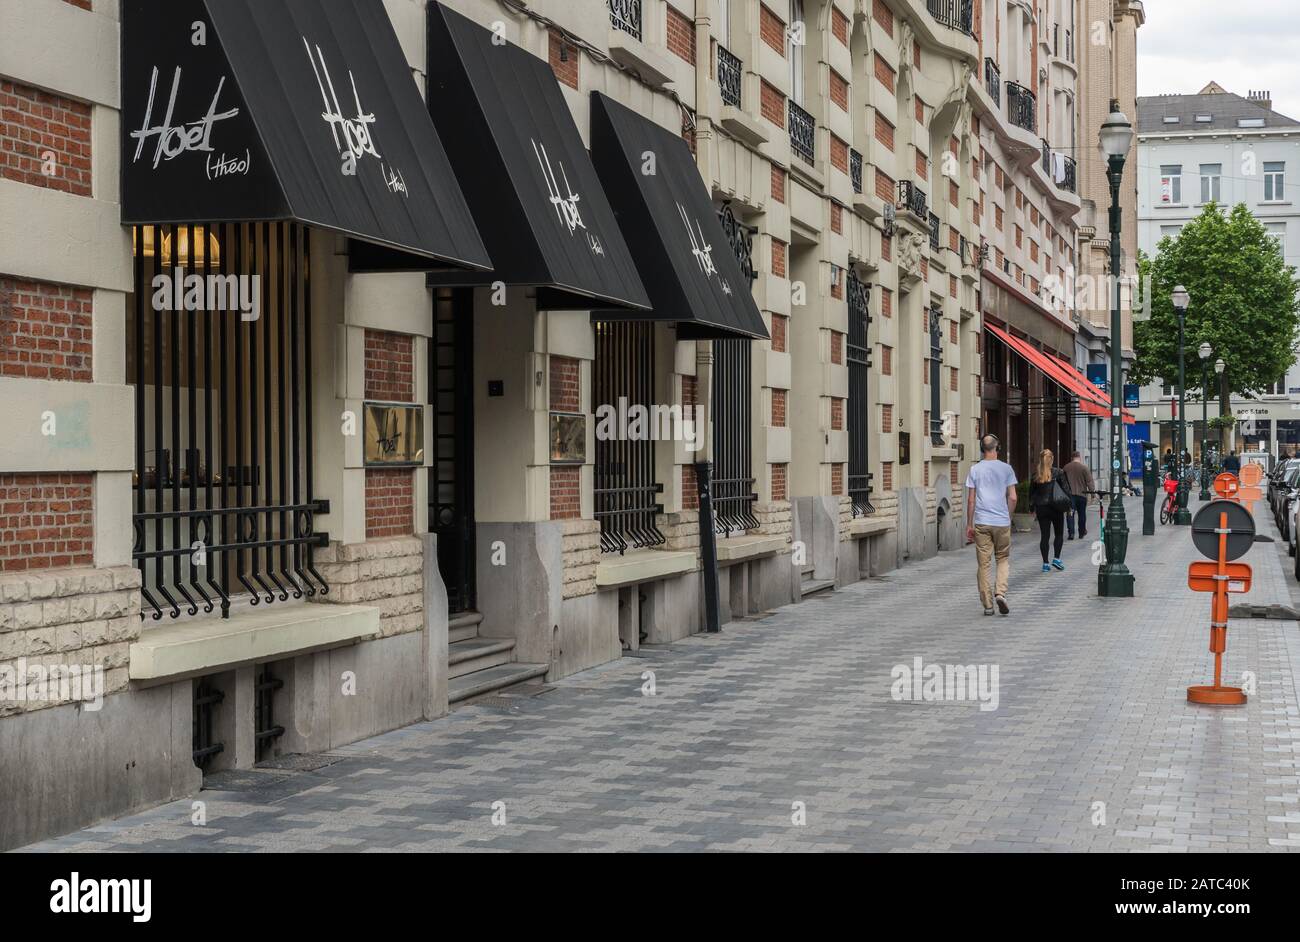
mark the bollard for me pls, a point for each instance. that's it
(1223, 530)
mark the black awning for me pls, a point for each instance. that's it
(258, 110)
(671, 226)
(536, 197)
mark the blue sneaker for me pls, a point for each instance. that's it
(1046, 568)
(1058, 564)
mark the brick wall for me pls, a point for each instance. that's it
(839, 89)
(778, 184)
(390, 366)
(779, 332)
(884, 72)
(887, 475)
(681, 34)
(390, 502)
(885, 186)
(837, 480)
(563, 56)
(778, 407)
(771, 28)
(566, 384)
(882, 15)
(45, 330)
(886, 419)
(837, 416)
(884, 131)
(46, 521)
(566, 493)
(839, 25)
(771, 104)
(837, 217)
(886, 360)
(839, 154)
(690, 488)
(44, 139)
(778, 258)
(837, 347)
(779, 475)
(886, 302)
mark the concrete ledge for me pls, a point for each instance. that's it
(208, 645)
(744, 126)
(737, 548)
(642, 566)
(868, 526)
(654, 67)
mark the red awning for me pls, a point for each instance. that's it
(1092, 400)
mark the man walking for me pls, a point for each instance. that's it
(990, 501)
(1232, 464)
(1079, 478)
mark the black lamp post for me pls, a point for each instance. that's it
(1182, 516)
(1219, 367)
(1114, 579)
(1204, 350)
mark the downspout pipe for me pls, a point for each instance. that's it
(704, 348)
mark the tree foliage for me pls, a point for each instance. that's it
(1243, 302)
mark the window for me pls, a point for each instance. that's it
(1171, 184)
(626, 493)
(936, 366)
(1273, 180)
(1171, 119)
(1203, 119)
(1278, 231)
(1170, 231)
(859, 363)
(1210, 178)
(795, 37)
(1250, 122)
(733, 476)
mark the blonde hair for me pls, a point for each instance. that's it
(1043, 471)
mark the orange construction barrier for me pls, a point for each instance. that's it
(1219, 577)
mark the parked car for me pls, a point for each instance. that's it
(1289, 497)
(1278, 487)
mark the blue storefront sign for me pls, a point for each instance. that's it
(1138, 433)
(1097, 374)
(1132, 394)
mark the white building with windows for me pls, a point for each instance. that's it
(1226, 148)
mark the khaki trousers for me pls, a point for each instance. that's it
(991, 542)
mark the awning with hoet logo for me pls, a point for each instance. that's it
(266, 110)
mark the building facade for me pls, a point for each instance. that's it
(368, 377)
(1220, 147)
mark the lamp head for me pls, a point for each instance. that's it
(1219, 365)
(1116, 133)
(1180, 297)
(1204, 350)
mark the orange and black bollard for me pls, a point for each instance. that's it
(1223, 530)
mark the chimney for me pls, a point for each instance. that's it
(1263, 99)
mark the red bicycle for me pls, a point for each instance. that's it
(1170, 506)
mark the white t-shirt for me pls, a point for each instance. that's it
(991, 478)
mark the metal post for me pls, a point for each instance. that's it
(1205, 431)
(1114, 579)
(1182, 516)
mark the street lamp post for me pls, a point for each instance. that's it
(1205, 350)
(1219, 367)
(1114, 579)
(1182, 516)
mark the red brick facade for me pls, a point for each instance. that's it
(837, 480)
(690, 488)
(886, 360)
(884, 73)
(771, 104)
(44, 139)
(885, 186)
(884, 131)
(837, 217)
(45, 330)
(390, 366)
(566, 385)
(839, 89)
(771, 28)
(778, 408)
(778, 332)
(563, 56)
(882, 15)
(778, 258)
(839, 154)
(47, 521)
(566, 496)
(887, 475)
(681, 35)
(778, 184)
(837, 347)
(839, 25)
(779, 474)
(390, 502)
(886, 419)
(837, 416)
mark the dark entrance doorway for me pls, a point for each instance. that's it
(451, 484)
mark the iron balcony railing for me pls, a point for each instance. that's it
(803, 132)
(858, 357)
(729, 77)
(934, 232)
(1022, 109)
(993, 81)
(912, 199)
(1071, 169)
(626, 15)
(1046, 162)
(936, 372)
(855, 170)
(223, 505)
(954, 14)
(741, 239)
(1065, 180)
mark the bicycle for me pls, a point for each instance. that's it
(1170, 506)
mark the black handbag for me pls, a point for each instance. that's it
(1060, 501)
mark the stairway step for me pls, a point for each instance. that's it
(494, 678)
(476, 654)
(463, 626)
(813, 586)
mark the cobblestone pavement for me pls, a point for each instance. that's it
(797, 707)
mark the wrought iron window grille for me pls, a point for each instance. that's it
(803, 132)
(730, 73)
(625, 15)
(858, 358)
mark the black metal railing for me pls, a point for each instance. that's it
(1069, 174)
(936, 371)
(741, 239)
(626, 15)
(855, 170)
(913, 199)
(1046, 162)
(954, 14)
(1022, 108)
(733, 443)
(203, 745)
(934, 232)
(858, 355)
(626, 493)
(730, 71)
(223, 491)
(265, 730)
(803, 132)
(993, 81)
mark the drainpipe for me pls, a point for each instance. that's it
(704, 348)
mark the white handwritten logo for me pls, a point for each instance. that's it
(224, 166)
(176, 139)
(352, 133)
(395, 182)
(566, 207)
(702, 250)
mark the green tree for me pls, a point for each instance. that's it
(1243, 302)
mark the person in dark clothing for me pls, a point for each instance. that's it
(1051, 517)
(1232, 464)
(1080, 480)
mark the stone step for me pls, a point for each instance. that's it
(813, 586)
(494, 678)
(463, 626)
(476, 654)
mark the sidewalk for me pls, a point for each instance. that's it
(797, 708)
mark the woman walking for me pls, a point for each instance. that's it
(1049, 496)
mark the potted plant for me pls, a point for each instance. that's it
(1023, 519)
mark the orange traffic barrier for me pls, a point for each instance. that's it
(1226, 485)
(1219, 577)
(1251, 475)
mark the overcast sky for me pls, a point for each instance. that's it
(1241, 44)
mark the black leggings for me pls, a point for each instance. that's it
(1049, 520)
